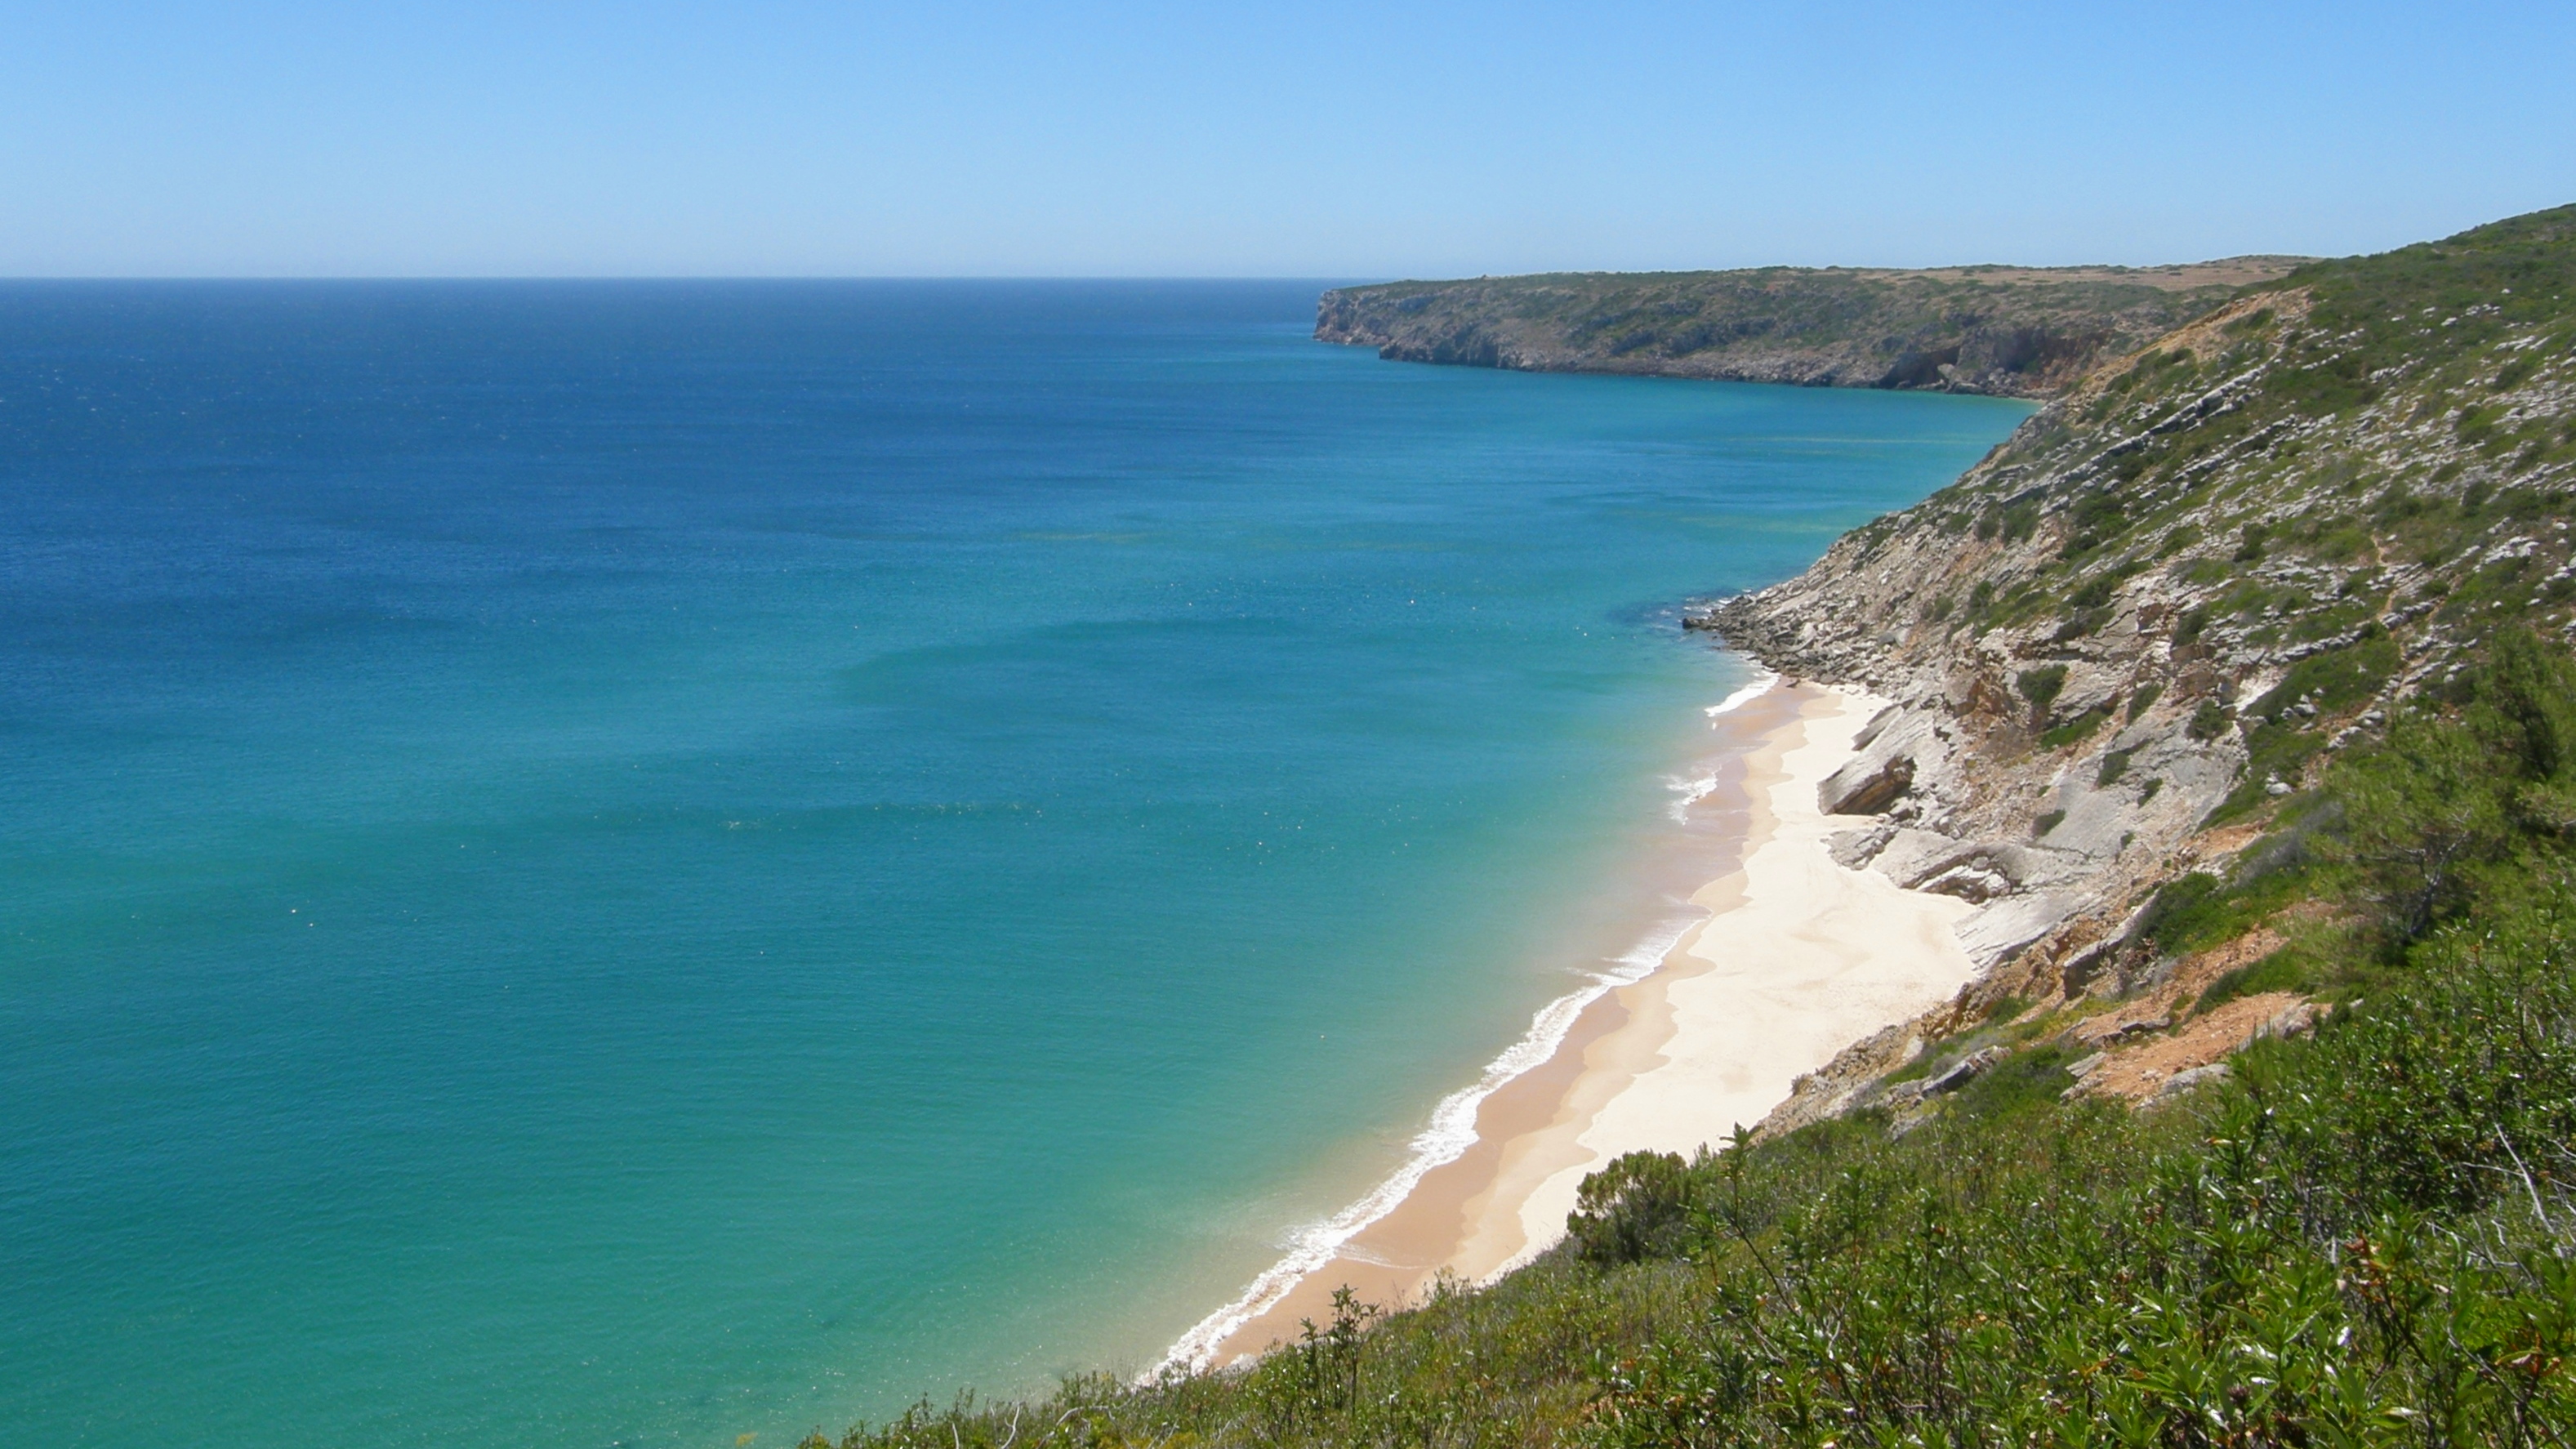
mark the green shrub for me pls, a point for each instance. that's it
(1634, 1208)
(2022, 1083)
(2076, 730)
(2439, 807)
(2283, 970)
(2114, 765)
(2041, 687)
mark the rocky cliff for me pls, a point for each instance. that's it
(2011, 331)
(2124, 646)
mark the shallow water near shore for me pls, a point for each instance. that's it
(601, 863)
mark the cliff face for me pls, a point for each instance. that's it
(2126, 643)
(2010, 331)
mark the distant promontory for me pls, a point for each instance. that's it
(2001, 330)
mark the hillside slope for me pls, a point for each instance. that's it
(2011, 331)
(2235, 686)
(2173, 595)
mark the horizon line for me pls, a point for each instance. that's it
(599, 277)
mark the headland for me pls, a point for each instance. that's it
(2006, 331)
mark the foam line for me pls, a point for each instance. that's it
(1452, 1129)
(1687, 793)
(1694, 790)
(1451, 1132)
(1762, 680)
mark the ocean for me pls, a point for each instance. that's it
(639, 863)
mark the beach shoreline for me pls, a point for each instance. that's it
(1792, 958)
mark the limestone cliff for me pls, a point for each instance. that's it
(2011, 331)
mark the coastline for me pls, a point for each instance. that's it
(1704, 1026)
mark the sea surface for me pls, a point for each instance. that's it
(590, 864)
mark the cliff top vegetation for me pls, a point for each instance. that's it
(2018, 331)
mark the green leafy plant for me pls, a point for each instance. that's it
(2076, 730)
(2115, 764)
(2041, 687)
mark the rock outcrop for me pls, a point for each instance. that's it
(2125, 644)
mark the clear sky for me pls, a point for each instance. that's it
(277, 137)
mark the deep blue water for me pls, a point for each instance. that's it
(597, 863)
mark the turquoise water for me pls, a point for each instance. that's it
(632, 864)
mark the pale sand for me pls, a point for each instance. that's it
(1798, 958)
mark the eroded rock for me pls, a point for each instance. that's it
(1865, 786)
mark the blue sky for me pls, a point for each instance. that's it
(1208, 139)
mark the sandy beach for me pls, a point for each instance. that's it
(1797, 958)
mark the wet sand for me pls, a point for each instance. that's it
(1797, 958)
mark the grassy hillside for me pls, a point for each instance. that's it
(2016, 331)
(2328, 440)
(2316, 543)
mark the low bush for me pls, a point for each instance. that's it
(2041, 687)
